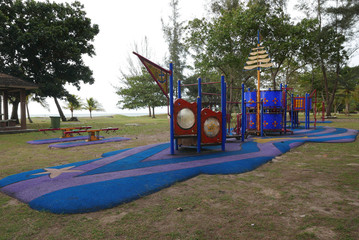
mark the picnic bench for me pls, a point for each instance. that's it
(8, 123)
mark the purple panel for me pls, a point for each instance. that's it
(83, 143)
(55, 140)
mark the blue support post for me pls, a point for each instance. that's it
(244, 120)
(297, 119)
(306, 111)
(179, 96)
(243, 127)
(262, 111)
(307, 101)
(199, 108)
(179, 88)
(224, 112)
(285, 109)
(172, 149)
(292, 122)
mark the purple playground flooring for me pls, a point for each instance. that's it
(55, 140)
(83, 143)
(127, 174)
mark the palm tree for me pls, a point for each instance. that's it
(73, 103)
(40, 100)
(92, 105)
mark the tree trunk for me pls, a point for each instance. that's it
(274, 75)
(149, 111)
(90, 114)
(332, 97)
(347, 104)
(1, 103)
(63, 118)
(328, 103)
(153, 112)
(335, 106)
(15, 107)
(28, 113)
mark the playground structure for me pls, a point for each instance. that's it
(193, 125)
(263, 112)
(93, 134)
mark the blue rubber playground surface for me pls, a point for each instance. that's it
(128, 174)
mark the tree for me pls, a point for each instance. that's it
(327, 41)
(349, 80)
(73, 103)
(92, 105)
(44, 42)
(173, 32)
(41, 101)
(223, 42)
(140, 90)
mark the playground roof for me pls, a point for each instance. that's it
(9, 82)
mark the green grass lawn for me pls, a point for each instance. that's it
(311, 192)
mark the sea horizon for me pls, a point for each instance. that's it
(97, 114)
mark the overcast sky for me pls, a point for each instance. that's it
(122, 23)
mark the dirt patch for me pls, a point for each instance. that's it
(113, 218)
(271, 193)
(353, 164)
(322, 233)
(12, 202)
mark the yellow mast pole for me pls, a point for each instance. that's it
(258, 100)
(258, 89)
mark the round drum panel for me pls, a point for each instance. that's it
(211, 127)
(186, 118)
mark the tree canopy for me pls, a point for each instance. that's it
(140, 91)
(44, 42)
(317, 45)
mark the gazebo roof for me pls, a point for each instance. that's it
(10, 82)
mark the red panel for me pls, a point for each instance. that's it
(178, 105)
(205, 114)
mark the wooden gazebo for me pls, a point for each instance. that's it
(8, 85)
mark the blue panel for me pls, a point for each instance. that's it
(250, 98)
(272, 121)
(252, 121)
(272, 98)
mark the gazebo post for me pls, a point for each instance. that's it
(0, 107)
(6, 107)
(13, 84)
(22, 108)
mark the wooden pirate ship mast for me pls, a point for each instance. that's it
(258, 59)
